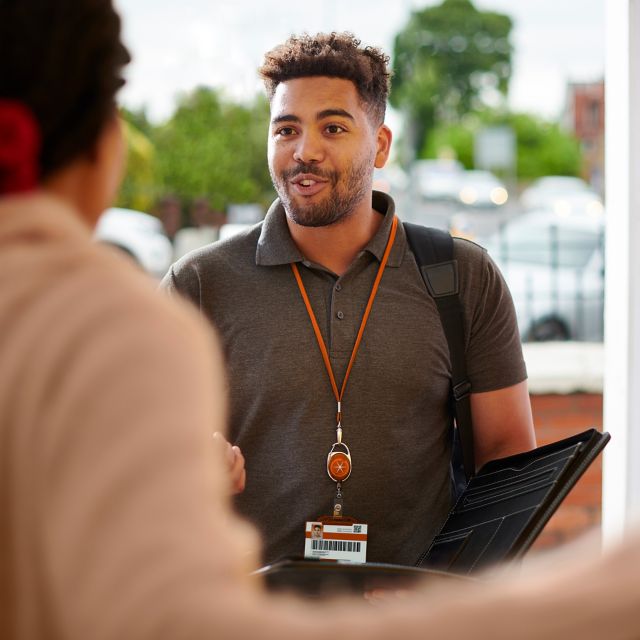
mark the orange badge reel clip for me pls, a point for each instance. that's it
(339, 462)
(339, 469)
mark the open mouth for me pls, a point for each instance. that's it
(308, 184)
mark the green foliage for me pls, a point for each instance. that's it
(445, 58)
(138, 118)
(215, 149)
(138, 189)
(456, 138)
(543, 148)
(210, 147)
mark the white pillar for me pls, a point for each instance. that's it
(621, 475)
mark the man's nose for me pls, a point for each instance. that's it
(308, 149)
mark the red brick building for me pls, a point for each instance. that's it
(584, 116)
(565, 381)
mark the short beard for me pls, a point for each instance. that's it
(338, 206)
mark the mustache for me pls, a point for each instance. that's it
(289, 174)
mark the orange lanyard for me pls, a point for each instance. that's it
(363, 324)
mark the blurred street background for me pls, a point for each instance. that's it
(497, 109)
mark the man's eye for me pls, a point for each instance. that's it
(334, 128)
(285, 131)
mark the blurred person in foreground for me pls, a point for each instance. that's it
(115, 517)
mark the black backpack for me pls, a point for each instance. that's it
(433, 251)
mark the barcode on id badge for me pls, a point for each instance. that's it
(336, 545)
(336, 541)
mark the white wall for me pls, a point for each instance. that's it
(621, 475)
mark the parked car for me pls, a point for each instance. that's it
(481, 189)
(437, 179)
(554, 266)
(140, 235)
(565, 195)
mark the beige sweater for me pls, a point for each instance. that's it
(114, 521)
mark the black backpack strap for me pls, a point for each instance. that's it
(433, 251)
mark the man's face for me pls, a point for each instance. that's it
(322, 149)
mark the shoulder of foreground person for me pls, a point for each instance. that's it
(144, 341)
(127, 505)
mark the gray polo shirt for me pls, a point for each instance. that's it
(395, 409)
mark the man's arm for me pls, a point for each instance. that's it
(500, 405)
(502, 423)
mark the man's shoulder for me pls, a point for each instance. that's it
(218, 267)
(470, 257)
(465, 249)
(472, 260)
(236, 248)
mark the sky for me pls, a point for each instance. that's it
(177, 46)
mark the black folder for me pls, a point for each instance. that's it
(498, 516)
(507, 504)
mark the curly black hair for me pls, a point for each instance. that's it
(336, 55)
(63, 59)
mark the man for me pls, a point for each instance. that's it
(328, 238)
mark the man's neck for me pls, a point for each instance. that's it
(337, 245)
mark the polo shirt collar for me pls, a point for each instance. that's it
(276, 247)
(275, 244)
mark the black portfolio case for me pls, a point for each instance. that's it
(507, 504)
(499, 515)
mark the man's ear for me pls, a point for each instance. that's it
(383, 143)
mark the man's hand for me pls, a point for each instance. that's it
(235, 462)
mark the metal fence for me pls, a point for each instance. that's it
(556, 278)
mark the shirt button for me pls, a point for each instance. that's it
(340, 315)
(338, 287)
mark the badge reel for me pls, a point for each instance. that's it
(339, 462)
(339, 469)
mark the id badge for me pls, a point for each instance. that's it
(335, 539)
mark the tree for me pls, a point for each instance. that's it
(215, 148)
(543, 148)
(138, 118)
(446, 59)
